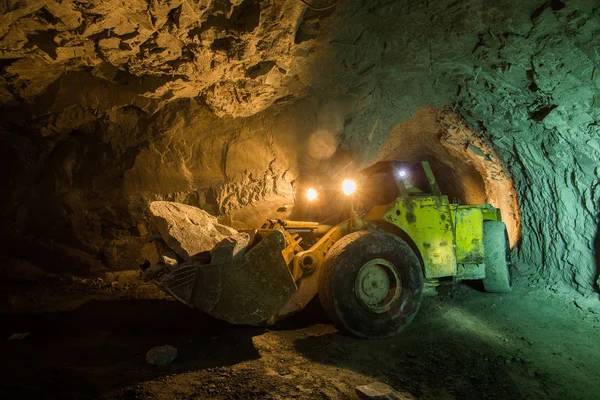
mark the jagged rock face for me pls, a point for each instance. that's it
(234, 55)
(538, 102)
(108, 106)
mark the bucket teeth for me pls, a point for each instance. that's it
(180, 283)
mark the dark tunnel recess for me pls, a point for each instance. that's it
(466, 166)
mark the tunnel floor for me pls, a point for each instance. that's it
(90, 341)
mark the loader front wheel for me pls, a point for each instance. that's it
(371, 284)
(497, 257)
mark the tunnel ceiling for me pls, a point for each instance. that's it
(235, 56)
(227, 105)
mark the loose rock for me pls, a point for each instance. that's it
(380, 391)
(122, 277)
(187, 230)
(170, 260)
(161, 355)
(18, 336)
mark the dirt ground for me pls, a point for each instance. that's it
(88, 340)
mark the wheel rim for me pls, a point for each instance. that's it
(377, 285)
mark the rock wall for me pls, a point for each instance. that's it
(232, 105)
(234, 55)
(85, 195)
(538, 102)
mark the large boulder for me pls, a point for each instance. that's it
(188, 230)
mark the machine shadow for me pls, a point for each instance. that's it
(432, 358)
(101, 346)
(310, 315)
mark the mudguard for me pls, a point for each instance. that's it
(249, 290)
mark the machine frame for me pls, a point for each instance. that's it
(280, 273)
(447, 237)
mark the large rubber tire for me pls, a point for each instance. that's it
(498, 265)
(338, 276)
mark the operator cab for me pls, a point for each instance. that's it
(380, 184)
(387, 180)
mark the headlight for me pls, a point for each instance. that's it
(311, 194)
(402, 173)
(348, 187)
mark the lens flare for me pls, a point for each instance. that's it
(311, 194)
(402, 173)
(322, 144)
(348, 187)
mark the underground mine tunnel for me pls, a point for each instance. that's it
(320, 199)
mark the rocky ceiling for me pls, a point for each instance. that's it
(234, 56)
(231, 105)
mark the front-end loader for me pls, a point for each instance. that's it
(370, 271)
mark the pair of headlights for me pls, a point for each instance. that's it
(348, 187)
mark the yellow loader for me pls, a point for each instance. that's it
(369, 271)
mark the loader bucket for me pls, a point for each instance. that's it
(248, 290)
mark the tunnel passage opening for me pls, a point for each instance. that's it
(465, 166)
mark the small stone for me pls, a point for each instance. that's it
(161, 355)
(170, 260)
(123, 277)
(380, 391)
(18, 336)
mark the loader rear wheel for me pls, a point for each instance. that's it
(497, 257)
(371, 284)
